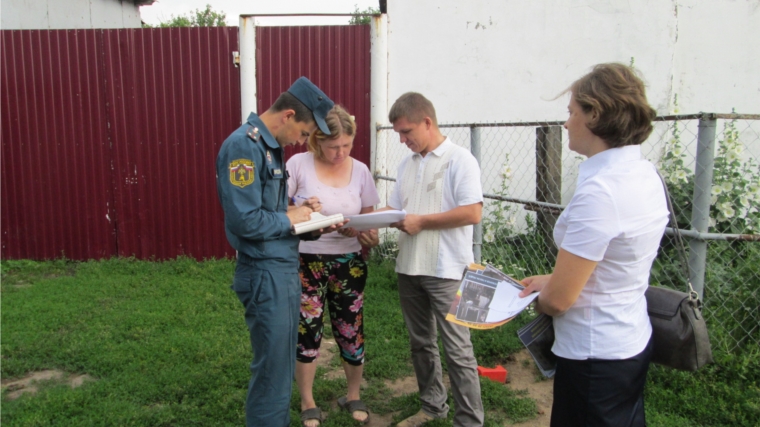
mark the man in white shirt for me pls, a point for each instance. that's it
(439, 187)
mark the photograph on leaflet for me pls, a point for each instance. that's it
(487, 298)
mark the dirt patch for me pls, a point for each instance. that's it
(403, 386)
(328, 360)
(522, 375)
(29, 383)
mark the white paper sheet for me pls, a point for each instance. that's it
(372, 220)
(506, 302)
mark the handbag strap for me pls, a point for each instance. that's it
(681, 249)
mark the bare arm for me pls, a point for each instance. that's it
(457, 217)
(561, 289)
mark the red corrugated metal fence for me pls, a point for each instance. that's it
(175, 99)
(335, 58)
(57, 197)
(109, 137)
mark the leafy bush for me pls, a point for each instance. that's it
(735, 191)
(730, 297)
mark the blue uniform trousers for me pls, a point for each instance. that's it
(272, 299)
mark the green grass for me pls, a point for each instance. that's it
(158, 337)
(726, 393)
(166, 345)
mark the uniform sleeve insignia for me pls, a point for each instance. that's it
(253, 132)
(269, 157)
(241, 172)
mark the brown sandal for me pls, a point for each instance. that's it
(354, 406)
(311, 414)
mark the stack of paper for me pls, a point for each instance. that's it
(487, 298)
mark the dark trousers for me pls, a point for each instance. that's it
(271, 299)
(597, 392)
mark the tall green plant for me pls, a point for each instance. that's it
(736, 187)
(678, 177)
(500, 222)
(518, 252)
(735, 192)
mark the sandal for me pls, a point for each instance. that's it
(311, 414)
(354, 406)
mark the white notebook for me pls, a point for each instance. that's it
(316, 222)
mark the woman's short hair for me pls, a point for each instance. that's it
(616, 95)
(414, 107)
(339, 122)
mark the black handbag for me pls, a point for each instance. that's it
(679, 330)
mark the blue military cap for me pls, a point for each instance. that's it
(314, 99)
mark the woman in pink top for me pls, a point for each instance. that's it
(333, 270)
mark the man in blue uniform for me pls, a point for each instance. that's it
(251, 182)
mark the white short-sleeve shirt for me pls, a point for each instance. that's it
(616, 217)
(461, 187)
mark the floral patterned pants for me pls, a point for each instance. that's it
(338, 281)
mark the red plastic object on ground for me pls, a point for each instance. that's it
(498, 374)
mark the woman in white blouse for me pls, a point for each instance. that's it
(608, 236)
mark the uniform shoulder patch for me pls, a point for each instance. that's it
(241, 172)
(253, 133)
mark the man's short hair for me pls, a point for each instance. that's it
(618, 98)
(286, 101)
(414, 107)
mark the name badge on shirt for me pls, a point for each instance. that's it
(277, 173)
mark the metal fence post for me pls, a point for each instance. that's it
(548, 182)
(477, 232)
(700, 214)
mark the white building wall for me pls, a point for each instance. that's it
(504, 60)
(68, 14)
(717, 57)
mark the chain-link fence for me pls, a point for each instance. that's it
(709, 161)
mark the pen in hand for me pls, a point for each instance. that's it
(297, 196)
(311, 202)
